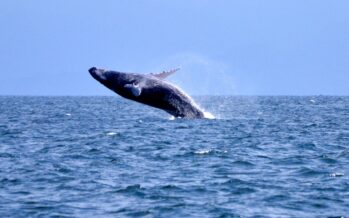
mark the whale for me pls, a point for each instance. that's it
(150, 89)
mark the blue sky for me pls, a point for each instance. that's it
(271, 47)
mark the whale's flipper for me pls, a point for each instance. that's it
(164, 74)
(134, 88)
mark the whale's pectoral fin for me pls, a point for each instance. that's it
(134, 89)
(165, 74)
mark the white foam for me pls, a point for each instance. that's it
(203, 151)
(336, 174)
(208, 115)
(68, 114)
(111, 133)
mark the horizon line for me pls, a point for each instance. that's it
(200, 95)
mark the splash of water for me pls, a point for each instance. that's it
(209, 116)
(200, 75)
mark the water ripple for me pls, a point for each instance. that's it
(107, 157)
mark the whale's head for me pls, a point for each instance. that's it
(98, 74)
(111, 79)
(108, 78)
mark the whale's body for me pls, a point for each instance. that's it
(149, 89)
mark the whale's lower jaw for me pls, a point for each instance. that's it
(186, 110)
(181, 106)
(182, 109)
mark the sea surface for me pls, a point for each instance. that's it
(111, 157)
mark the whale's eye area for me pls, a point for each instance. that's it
(134, 89)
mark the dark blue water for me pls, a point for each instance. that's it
(110, 157)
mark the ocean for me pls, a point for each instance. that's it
(262, 156)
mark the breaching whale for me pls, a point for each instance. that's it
(150, 89)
